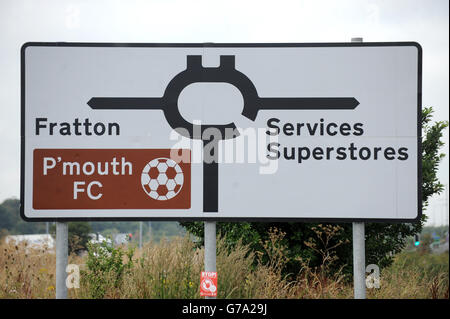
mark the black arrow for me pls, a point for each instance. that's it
(267, 103)
(129, 103)
(308, 103)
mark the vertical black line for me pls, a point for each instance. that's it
(211, 179)
(22, 132)
(419, 134)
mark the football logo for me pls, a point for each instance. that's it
(162, 178)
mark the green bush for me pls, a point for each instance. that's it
(105, 269)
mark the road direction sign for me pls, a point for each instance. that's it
(221, 131)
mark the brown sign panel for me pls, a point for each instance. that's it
(111, 179)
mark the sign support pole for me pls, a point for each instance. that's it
(210, 202)
(359, 261)
(210, 248)
(359, 250)
(62, 242)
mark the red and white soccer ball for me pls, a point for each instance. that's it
(162, 178)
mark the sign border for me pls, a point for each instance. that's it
(221, 45)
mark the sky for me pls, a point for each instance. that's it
(426, 22)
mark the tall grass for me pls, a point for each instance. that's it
(171, 269)
(27, 272)
(415, 275)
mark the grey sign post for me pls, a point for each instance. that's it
(359, 260)
(210, 248)
(62, 245)
(359, 250)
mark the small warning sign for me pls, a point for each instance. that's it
(208, 284)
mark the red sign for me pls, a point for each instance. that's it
(111, 179)
(208, 284)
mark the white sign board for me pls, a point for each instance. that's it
(221, 131)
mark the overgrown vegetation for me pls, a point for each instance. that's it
(415, 275)
(171, 269)
(106, 269)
